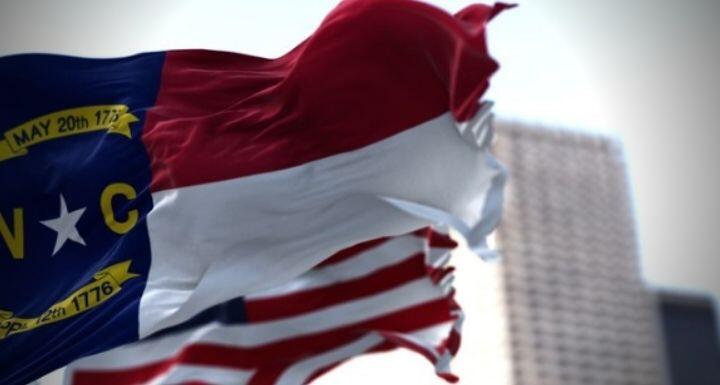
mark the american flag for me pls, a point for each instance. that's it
(376, 296)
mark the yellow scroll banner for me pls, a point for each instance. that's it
(114, 118)
(107, 282)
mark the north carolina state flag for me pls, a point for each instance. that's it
(138, 191)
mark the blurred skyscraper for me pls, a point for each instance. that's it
(577, 309)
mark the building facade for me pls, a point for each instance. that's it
(577, 308)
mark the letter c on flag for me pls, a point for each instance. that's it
(111, 191)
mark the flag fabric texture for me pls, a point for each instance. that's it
(378, 295)
(137, 192)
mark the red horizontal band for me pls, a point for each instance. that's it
(308, 300)
(345, 254)
(371, 70)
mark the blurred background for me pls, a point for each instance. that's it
(607, 118)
